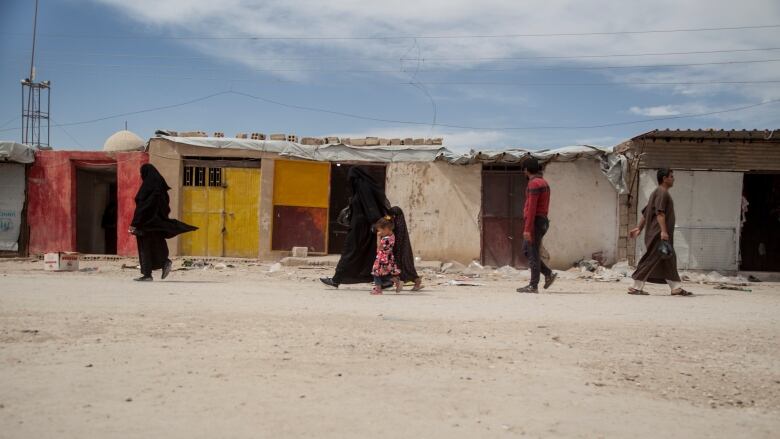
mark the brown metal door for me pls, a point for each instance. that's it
(503, 195)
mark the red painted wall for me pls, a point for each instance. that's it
(128, 177)
(51, 197)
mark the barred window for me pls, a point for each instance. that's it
(188, 177)
(200, 176)
(215, 176)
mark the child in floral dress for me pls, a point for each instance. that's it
(384, 264)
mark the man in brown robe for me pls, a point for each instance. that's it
(658, 216)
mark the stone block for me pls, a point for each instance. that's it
(408, 141)
(438, 141)
(372, 141)
(331, 140)
(278, 136)
(242, 136)
(311, 141)
(396, 142)
(429, 141)
(419, 142)
(346, 141)
(192, 134)
(384, 142)
(300, 252)
(358, 142)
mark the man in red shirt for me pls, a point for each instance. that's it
(537, 204)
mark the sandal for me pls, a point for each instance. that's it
(376, 291)
(397, 284)
(417, 284)
(636, 292)
(681, 292)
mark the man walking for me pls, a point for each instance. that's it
(537, 204)
(659, 263)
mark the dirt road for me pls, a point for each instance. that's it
(242, 352)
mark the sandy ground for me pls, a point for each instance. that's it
(243, 352)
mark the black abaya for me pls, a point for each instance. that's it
(368, 204)
(404, 256)
(151, 223)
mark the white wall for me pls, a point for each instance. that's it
(707, 217)
(442, 205)
(583, 213)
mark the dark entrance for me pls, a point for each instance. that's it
(503, 195)
(96, 209)
(760, 237)
(339, 198)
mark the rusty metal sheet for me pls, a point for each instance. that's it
(295, 226)
(503, 195)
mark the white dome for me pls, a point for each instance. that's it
(123, 141)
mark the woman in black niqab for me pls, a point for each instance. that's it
(151, 224)
(368, 204)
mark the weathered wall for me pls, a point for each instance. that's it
(51, 197)
(128, 175)
(168, 156)
(442, 207)
(583, 213)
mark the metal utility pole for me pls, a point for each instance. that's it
(35, 116)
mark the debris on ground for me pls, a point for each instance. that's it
(130, 267)
(464, 283)
(275, 267)
(452, 267)
(732, 287)
(714, 278)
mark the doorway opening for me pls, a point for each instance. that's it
(96, 209)
(760, 237)
(339, 199)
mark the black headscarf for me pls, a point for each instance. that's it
(368, 197)
(151, 180)
(152, 206)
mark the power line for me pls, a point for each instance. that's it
(407, 122)
(403, 37)
(353, 58)
(389, 70)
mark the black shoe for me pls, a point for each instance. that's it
(144, 279)
(548, 280)
(528, 289)
(329, 282)
(169, 264)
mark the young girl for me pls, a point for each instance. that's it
(384, 264)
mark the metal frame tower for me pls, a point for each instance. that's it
(35, 117)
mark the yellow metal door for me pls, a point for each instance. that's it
(242, 198)
(203, 207)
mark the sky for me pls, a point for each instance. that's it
(492, 74)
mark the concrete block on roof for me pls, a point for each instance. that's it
(407, 141)
(372, 141)
(332, 140)
(312, 141)
(419, 141)
(219, 134)
(292, 138)
(192, 134)
(438, 141)
(358, 142)
(346, 141)
(242, 136)
(395, 142)
(429, 141)
(258, 136)
(384, 142)
(278, 136)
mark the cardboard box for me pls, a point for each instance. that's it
(61, 261)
